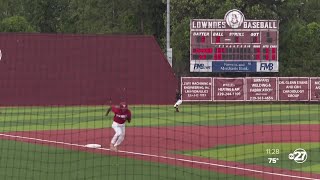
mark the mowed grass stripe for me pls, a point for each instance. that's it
(19, 118)
(311, 169)
(28, 161)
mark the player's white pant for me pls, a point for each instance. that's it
(120, 131)
(178, 103)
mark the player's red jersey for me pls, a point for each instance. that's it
(120, 116)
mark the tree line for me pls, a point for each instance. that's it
(299, 51)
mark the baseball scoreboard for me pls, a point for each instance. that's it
(234, 44)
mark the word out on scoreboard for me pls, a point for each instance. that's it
(234, 44)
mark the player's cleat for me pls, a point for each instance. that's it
(115, 148)
(112, 148)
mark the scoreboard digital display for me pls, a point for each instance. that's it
(234, 44)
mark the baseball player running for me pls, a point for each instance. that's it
(179, 101)
(121, 115)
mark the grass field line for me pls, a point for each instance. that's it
(159, 156)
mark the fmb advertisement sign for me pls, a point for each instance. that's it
(199, 66)
(234, 44)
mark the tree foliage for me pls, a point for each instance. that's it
(16, 24)
(299, 23)
(299, 30)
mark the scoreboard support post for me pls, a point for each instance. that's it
(169, 50)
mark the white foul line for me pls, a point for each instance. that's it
(162, 157)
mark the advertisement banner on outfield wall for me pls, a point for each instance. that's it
(261, 89)
(196, 88)
(293, 88)
(315, 89)
(228, 89)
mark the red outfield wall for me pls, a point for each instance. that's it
(250, 89)
(66, 69)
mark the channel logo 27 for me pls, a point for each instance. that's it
(299, 155)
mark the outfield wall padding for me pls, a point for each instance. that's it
(67, 69)
(292, 89)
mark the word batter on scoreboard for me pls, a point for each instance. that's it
(234, 44)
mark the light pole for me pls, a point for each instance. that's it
(169, 49)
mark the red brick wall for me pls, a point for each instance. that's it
(65, 69)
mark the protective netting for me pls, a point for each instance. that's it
(56, 90)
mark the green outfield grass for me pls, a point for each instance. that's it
(75, 117)
(28, 161)
(259, 154)
(22, 160)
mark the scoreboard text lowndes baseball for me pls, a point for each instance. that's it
(234, 44)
